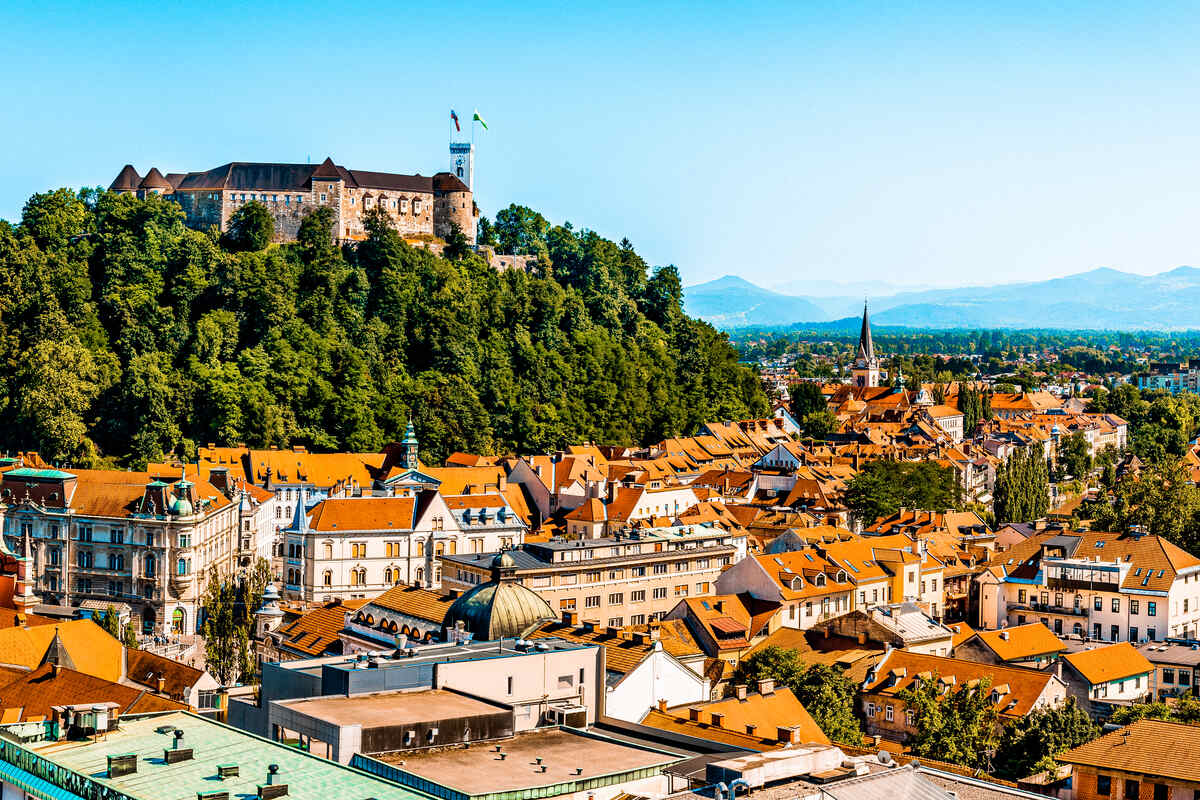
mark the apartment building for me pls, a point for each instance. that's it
(354, 547)
(628, 579)
(1103, 586)
(146, 539)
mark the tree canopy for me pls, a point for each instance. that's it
(1022, 491)
(1030, 744)
(959, 726)
(824, 690)
(125, 335)
(883, 487)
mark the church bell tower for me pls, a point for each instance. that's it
(865, 372)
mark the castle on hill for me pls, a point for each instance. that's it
(421, 208)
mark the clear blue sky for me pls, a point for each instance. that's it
(902, 142)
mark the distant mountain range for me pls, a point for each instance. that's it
(1103, 299)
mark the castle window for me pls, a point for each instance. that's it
(287, 199)
(403, 206)
(322, 197)
(416, 206)
(299, 199)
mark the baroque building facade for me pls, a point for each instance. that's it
(146, 539)
(422, 209)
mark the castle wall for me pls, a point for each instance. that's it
(454, 208)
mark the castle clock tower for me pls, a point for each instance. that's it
(462, 162)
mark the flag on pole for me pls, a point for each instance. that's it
(479, 119)
(454, 117)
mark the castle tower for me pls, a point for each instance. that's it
(462, 162)
(865, 371)
(269, 617)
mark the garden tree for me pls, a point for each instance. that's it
(226, 628)
(882, 487)
(485, 233)
(1030, 744)
(1183, 709)
(1074, 458)
(129, 635)
(457, 246)
(250, 228)
(819, 424)
(1021, 493)
(976, 406)
(959, 726)
(126, 336)
(1160, 501)
(806, 398)
(824, 690)
(110, 621)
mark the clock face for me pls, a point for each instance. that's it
(459, 161)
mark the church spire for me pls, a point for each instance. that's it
(865, 372)
(866, 346)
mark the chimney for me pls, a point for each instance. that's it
(655, 633)
(862, 638)
(162, 684)
(751, 729)
(740, 691)
(1004, 635)
(694, 714)
(662, 704)
(570, 618)
(787, 734)
(718, 720)
(766, 686)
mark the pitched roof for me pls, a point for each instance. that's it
(731, 620)
(1109, 663)
(35, 692)
(814, 647)
(316, 632)
(339, 514)
(146, 668)
(127, 180)
(1141, 747)
(766, 712)
(90, 647)
(627, 647)
(154, 180)
(901, 668)
(1022, 641)
(414, 601)
(962, 632)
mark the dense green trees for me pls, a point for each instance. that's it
(824, 690)
(1022, 487)
(110, 620)
(250, 228)
(976, 406)
(125, 335)
(959, 726)
(1073, 457)
(1160, 501)
(1030, 744)
(882, 488)
(229, 603)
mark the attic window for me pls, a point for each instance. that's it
(1137, 572)
(1160, 573)
(1099, 545)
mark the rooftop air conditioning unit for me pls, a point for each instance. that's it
(571, 716)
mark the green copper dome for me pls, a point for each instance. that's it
(501, 607)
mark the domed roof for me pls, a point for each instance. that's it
(501, 607)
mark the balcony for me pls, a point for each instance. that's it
(1050, 608)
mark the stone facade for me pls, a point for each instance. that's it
(421, 209)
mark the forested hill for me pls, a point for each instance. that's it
(125, 336)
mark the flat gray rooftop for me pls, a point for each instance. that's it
(381, 709)
(479, 770)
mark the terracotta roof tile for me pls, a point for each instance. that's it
(35, 692)
(900, 668)
(1022, 641)
(1140, 748)
(1109, 663)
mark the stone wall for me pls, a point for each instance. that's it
(454, 208)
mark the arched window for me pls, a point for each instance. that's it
(403, 205)
(327, 578)
(416, 205)
(278, 512)
(420, 548)
(151, 568)
(328, 550)
(387, 575)
(420, 574)
(181, 566)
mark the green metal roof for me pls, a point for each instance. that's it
(307, 776)
(38, 474)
